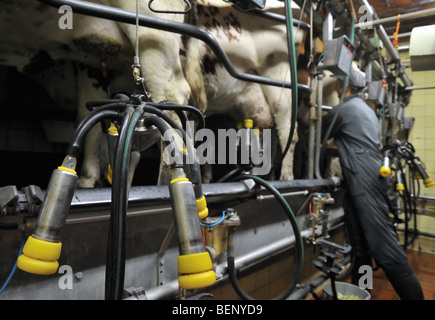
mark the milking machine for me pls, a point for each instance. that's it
(405, 170)
(43, 247)
(189, 209)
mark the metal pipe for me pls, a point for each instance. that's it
(119, 15)
(400, 35)
(305, 289)
(403, 17)
(101, 216)
(387, 42)
(404, 76)
(275, 17)
(420, 88)
(302, 292)
(418, 232)
(170, 289)
(328, 27)
(403, 49)
(287, 194)
(311, 117)
(311, 135)
(157, 197)
(423, 197)
(90, 205)
(317, 172)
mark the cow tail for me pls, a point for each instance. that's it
(194, 75)
(193, 67)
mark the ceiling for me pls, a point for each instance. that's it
(391, 8)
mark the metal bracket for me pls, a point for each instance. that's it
(9, 201)
(34, 197)
(200, 296)
(138, 293)
(13, 202)
(326, 262)
(343, 249)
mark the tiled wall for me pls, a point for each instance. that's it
(422, 107)
(422, 137)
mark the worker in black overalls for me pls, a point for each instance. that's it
(355, 129)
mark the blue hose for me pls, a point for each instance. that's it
(11, 274)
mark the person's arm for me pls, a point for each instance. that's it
(332, 117)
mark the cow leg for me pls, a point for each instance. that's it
(164, 79)
(168, 83)
(90, 171)
(279, 100)
(206, 173)
(282, 122)
(159, 51)
(159, 57)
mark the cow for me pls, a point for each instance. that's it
(255, 45)
(79, 64)
(107, 48)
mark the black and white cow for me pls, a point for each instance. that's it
(101, 51)
(80, 63)
(255, 45)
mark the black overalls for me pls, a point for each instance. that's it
(356, 133)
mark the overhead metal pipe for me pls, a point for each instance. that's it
(317, 170)
(403, 17)
(386, 41)
(119, 15)
(420, 88)
(403, 48)
(401, 35)
(311, 135)
(275, 17)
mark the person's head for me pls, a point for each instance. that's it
(356, 83)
